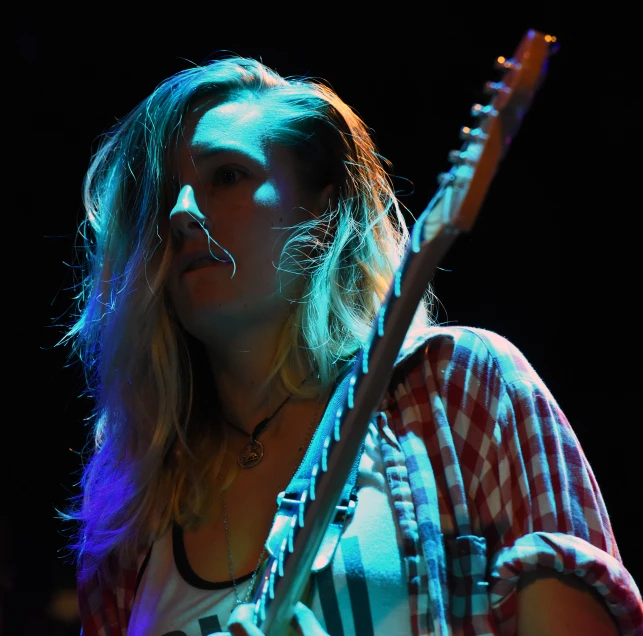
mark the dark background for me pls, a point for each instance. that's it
(552, 261)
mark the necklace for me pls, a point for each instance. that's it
(252, 453)
(231, 564)
(225, 513)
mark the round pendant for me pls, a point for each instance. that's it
(251, 454)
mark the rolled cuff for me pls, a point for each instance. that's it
(567, 555)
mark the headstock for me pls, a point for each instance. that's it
(496, 123)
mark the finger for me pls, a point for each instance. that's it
(241, 621)
(306, 623)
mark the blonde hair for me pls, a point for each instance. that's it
(156, 454)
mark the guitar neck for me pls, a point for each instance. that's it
(303, 523)
(286, 574)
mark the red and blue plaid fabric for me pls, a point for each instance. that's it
(488, 483)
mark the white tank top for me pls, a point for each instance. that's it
(363, 592)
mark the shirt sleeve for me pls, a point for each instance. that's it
(538, 501)
(105, 606)
(570, 556)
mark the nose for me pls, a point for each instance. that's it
(185, 217)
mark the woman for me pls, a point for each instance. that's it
(241, 234)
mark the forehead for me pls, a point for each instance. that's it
(242, 123)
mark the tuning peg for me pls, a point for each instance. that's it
(552, 41)
(478, 110)
(491, 88)
(457, 158)
(503, 64)
(445, 177)
(472, 134)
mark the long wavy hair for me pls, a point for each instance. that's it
(156, 450)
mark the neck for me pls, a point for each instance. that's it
(240, 366)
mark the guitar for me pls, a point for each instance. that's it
(452, 210)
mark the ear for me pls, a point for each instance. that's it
(322, 200)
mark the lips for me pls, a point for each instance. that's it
(192, 261)
(204, 261)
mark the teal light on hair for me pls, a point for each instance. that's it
(156, 452)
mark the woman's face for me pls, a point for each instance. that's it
(244, 190)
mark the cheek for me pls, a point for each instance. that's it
(173, 293)
(267, 196)
(274, 210)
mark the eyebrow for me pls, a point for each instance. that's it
(202, 153)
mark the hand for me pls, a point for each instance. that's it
(241, 624)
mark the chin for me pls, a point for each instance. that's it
(215, 318)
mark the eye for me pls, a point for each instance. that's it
(228, 175)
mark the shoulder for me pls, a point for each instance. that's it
(476, 386)
(468, 375)
(469, 350)
(106, 595)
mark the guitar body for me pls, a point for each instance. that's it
(304, 515)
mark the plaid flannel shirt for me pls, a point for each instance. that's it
(488, 482)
